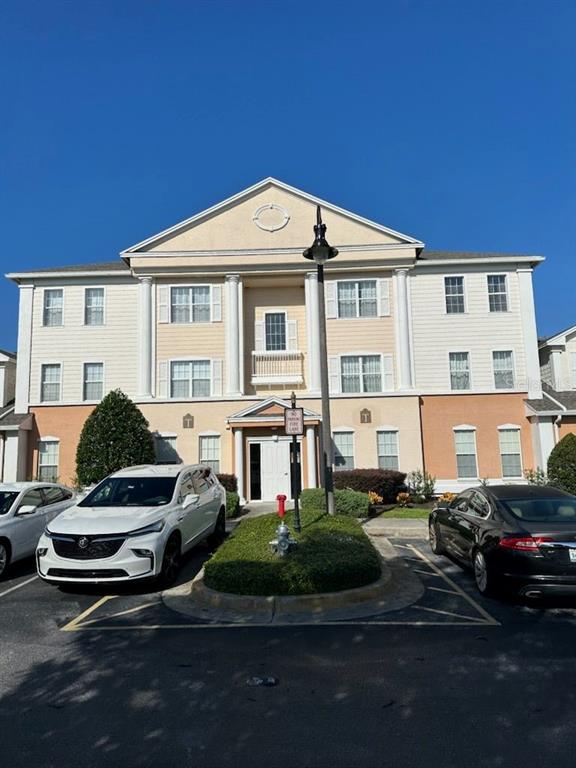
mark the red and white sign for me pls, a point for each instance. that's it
(294, 421)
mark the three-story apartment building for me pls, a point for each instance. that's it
(211, 324)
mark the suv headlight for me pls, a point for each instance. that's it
(47, 532)
(152, 528)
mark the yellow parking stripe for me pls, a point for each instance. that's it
(120, 613)
(72, 625)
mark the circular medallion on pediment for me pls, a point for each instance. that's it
(271, 217)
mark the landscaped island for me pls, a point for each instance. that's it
(333, 554)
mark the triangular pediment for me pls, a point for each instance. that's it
(270, 215)
(271, 408)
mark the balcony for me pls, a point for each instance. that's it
(278, 367)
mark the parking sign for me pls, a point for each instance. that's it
(294, 421)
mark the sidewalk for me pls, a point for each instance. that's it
(397, 527)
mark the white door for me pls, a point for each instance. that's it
(275, 469)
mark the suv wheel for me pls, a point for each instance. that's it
(219, 533)
(170, 562)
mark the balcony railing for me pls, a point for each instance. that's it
(278, 367)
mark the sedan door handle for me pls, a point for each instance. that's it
(181, 518)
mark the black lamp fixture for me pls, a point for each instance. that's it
(320, 251)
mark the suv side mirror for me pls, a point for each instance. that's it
(27, 509)
(441, 508)
(190, 499)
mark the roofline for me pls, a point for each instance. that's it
(208, 212)
(551, 340)
(481, 260)
(16, 276)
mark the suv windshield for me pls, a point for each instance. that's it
(131, 492)
(559, 510)
(6, 500)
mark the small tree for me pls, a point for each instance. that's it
(115, 435)
(562, 464)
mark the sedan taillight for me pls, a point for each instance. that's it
(524, 543)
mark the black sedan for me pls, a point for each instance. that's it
(520, 538)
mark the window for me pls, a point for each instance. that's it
(190, 304)
(32, 499)
(357, 298)
(190, 378)
(478, 505)
(275, 330)
(459, 370)
(510, 452)
(48, 460)
(454, 294)
(343, 450)
(503, 365)
(93, 381)
(387, 441)
(165, 449)
(53, 307)
(94, 306)
(362, 373)
(50, 383)
(53, 495)
(465, 444)
(497, 295)
(210, 451)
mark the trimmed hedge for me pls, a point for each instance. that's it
(562, 464)
(333, 553)
(348, 503)
(232, 504)
(229, 482)
(385, 482)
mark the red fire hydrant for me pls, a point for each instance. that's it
(281, 499)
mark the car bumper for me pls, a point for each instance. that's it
(540, 585)
(125, 565)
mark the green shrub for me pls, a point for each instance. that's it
(333, 553)
(385, 482)
(114, 436)
(562, 464)
(228, 482)
(232, 504)
(348, 503)
(422, 485)
(536, 476)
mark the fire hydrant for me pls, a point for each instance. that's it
(283, 542)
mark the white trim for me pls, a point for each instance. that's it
(396, 431)
(83, 379)
(529, 333)
(24, 354)
(507, 291)
(209, 433)
(556, 402)
(171, 286)
(473, 430)
(343, 429)
(56, 275)
(560, 338)
(509, 426)
(61, 382)
(188, 359)
(480, 260)
(512, 428)
(464, 293)
(93, 325)
(250, 191)
(286, 346)
(514, 371)
(381, 355)
(48, 439)
(460, 352)
(463, 428)
(357, 280)
(256, 408)
(166, 434)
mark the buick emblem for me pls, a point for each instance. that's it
(83, 542)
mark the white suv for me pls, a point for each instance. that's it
(135, 524)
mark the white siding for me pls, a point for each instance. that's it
(477, 331)
(545, 367)
(115, 343)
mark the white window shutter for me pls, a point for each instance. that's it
(216, 301)
(163, 380)
(330, 298)
(163, 304)
(217, 378)
(292, 335)
(383, 291)
(334, 375)
(387, 373)
(259, 335)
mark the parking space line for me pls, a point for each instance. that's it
(18, 586)
(426, 573)
(490, 619)
(440, 589)
(120, 613)
(72, 625)
(473, 619)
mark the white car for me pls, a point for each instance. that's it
(25, 510)
(135, 524)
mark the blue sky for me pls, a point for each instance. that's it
(450, 121)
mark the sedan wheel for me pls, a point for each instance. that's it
(482, 575)
(435, 539)
(4, 559)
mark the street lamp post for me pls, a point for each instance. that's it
(320, 252)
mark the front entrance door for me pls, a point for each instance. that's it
(274, 469)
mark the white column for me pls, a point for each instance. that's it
(233, 330)
(239, 461)
(558, 382)
(528, 317)
(2, 439)
(22, 397)
(403, 329)
(11, 457)
(544, 440)
(311, 452)
(313, 332)
(145, 338)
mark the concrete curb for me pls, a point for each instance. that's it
(405, 528)
(397, 588)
